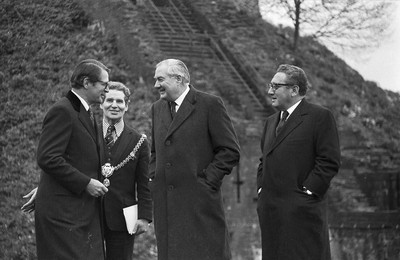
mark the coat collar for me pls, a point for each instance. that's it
(184, 111)
(83, 115)
(295, 119)
(76, 103)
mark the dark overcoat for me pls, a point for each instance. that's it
(189, 158)
(67, 218)
(305, 153)
(128, 185)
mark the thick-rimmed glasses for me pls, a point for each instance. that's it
(275, 86)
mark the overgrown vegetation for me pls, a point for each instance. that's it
(42, 40)
(40, 43)
(334, 83)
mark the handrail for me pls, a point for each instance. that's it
(160, 14)
(162, 17)
(216, 47)
(252, 83)
(182, 17)
(243, 59)
(255, 78)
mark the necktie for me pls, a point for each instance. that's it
(110, 136)
(91, 115)
(281, 122)
(172, 106)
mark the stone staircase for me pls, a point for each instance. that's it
(180, 35)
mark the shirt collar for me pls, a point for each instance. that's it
(292, 108)
(84, 103)
(119, 127)
(180, 99)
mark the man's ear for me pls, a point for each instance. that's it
(86, 82)
(295, 90)
(179, 78)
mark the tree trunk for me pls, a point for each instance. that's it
(296, 24)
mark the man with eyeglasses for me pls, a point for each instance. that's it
(300, 156)
(67, 205)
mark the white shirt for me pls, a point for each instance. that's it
(291, 109)
(84, 103)
(180, 99)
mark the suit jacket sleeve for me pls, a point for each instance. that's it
(327, 159)
(224, 141)
(152, 164)
(56, 133)
(142, 179)
(260, 165)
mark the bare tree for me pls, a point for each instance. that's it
(345, 23)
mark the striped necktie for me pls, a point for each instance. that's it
(110, 136)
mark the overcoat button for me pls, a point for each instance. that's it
(168, 142)
(170, 187)
(168, 165)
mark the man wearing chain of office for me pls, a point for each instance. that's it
(125, 173)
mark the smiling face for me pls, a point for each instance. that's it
(170, 87)
(114, 106)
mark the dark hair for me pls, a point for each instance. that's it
(295, 76)
(90, 69)
(121, 87)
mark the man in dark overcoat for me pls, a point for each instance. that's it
(67, 206)
(194, 146)
(127, 184)
(300, 156)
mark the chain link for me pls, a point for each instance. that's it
(132, 154)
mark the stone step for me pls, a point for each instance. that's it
(179, 35)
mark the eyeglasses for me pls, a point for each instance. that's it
(106, 85)
(103, 83)
(275, 86)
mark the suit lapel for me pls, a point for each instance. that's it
(86, 122)
(83, 115)
(124, 144)
(101, 144)
(270, 133)
(295, 119)
(184, 111)
(165, 114)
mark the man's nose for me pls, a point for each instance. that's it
(106, 89)
(157, 84)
